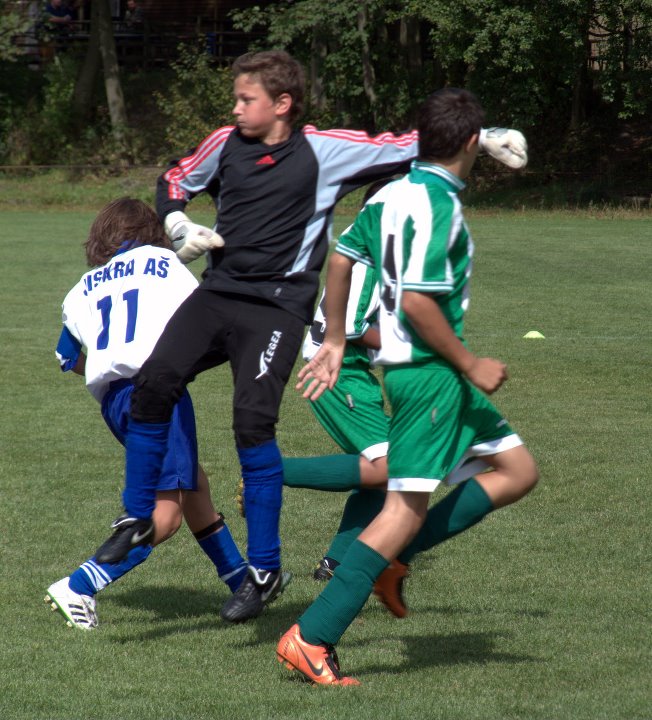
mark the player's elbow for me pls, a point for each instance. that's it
(413, 305)
(340, 264)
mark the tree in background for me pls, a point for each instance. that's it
(575, 75)
(112, 84)
(197, 99)
(365, 58)
(101, 52)
(552, 67)
(15, 23)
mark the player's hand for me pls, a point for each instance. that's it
(321, 373)
(505, 145)
(487, 374)
(190, 240)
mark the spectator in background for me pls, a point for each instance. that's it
(134, 17)
(58, 15)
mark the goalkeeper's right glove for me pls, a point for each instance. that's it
(505, 145)
(190, 240)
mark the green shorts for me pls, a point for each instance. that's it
(353, 413)
(439, 421)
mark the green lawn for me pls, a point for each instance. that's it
(541, 612)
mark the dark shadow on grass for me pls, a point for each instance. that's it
(458, 610)
(184, 610)
(169, 603)
(438, 650)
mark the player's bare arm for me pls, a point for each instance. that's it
(371, 339)
(80, 365)
(324, 368)
(428, 320)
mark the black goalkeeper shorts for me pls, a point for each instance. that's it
(259, 340)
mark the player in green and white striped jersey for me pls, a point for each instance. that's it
(414, 233)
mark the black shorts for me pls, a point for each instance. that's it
(259, 340)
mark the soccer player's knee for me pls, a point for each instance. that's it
(531, 474)
(407, 511)
(154, 397)
(252, 429)
(165, 526)
(527, 475)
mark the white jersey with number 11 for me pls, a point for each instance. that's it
(118, 311)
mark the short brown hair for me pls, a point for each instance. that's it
(446, 120)
(278, 72)
(123, 221)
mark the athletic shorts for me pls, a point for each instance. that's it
(180, 465)
(353, 413)
(260, 342)
(439, 421)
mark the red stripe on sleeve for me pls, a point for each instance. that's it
(360, 136)
(186, 165)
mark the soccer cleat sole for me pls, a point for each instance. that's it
(239, 499)
(125, 538)
(323, 572)
(54, 606)
(344, 682)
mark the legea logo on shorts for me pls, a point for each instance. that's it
(267, 356)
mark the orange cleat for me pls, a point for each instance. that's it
(388, 588)
(317, 663)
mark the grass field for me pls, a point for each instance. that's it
(541, 612)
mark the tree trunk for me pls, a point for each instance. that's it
(114, 96)
(368, 75)
(410, 39)
(317, 56)
(581, 84)
(82, 99)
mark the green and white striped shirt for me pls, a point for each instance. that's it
(413, 232)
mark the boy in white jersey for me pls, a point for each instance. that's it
(117, 312)
(413, 232)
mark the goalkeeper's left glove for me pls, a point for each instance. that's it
(505, 145)
(189, 239)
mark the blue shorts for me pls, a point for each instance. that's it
(179, 471)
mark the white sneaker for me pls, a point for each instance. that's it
(78, 610)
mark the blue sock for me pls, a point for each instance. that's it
(91, 576)
(262, 472)
(146, 445)
(218, 543)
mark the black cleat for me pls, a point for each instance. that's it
(128, 533)
(325, 569)
(258, 589)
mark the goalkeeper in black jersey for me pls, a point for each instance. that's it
(275, 187)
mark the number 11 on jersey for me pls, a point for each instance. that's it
(105, 306)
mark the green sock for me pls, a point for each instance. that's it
(328, 472)
(343, 597)
(360, 509)
(462, 508)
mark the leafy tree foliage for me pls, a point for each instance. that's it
(197, 100)
(572, 74)
(363, 66)
(558, 66)
(14, 22)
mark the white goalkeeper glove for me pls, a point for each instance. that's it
(505, 145)
(190, 240)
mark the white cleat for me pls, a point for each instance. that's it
(78, 610)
